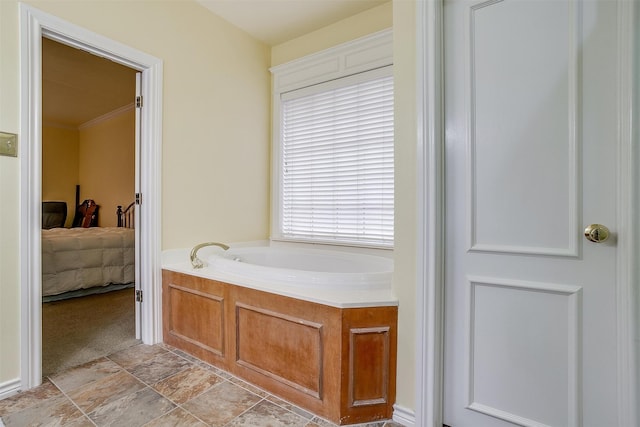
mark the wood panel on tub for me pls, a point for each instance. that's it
(337, 363)
(295, 347)
(194, 316)
(369, 337)
(297, 355)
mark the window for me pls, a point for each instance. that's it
(334, 165)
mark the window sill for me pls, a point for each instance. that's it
(383, 251)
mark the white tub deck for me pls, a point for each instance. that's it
(333, 278)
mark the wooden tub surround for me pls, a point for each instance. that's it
(339, 363)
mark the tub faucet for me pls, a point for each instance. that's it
(197, 262)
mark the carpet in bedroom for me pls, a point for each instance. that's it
(79, 330)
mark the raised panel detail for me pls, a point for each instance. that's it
(524, 351)
(188, 309)
(282, 347)
(368, 366)
(309, 354)
(523, 121)
(366, 53)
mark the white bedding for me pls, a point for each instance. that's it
(81, 258)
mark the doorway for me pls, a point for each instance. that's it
(34, 24)
(88, 157)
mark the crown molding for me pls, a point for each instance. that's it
(107, 116)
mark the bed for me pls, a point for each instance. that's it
(84, 260)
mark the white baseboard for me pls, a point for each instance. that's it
(404, 416)
(9, 388)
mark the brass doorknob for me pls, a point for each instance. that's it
(596, 233)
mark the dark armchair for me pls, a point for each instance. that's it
(54, 214)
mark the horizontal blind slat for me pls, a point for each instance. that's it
(337, 178)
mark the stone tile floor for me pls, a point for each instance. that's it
(152, 386)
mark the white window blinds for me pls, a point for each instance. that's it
(337, 161)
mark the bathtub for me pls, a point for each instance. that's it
(332, 277)
(317, 328)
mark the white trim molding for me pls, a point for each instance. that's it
(363, 54)
(9, 388)
(404, 416)
(107, 116)
(93, 122)
(430, 206)
(628, 271)
(34, 24)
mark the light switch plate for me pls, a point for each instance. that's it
(8, 144)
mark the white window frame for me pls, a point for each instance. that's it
(358, 56)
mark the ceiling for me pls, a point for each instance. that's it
(276, 21)
(78, 87)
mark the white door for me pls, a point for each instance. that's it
(530, 120)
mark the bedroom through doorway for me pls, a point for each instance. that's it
(89, 175)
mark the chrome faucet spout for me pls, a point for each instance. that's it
(197, 262)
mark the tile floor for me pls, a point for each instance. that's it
(152, 386)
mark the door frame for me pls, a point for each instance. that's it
(34, 24)
(431, 217)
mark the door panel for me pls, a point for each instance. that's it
(522, 127)
(523, 339)
(530, 119)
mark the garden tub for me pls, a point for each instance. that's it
(317, 328)
(333, 277)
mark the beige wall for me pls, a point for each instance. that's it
(404, 281)
(107, 165)
(60, 166)
(9, 197)
(100, 157)
(360, 25)
(216, 128)
(399, 14)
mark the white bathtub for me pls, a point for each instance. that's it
(336, 278)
